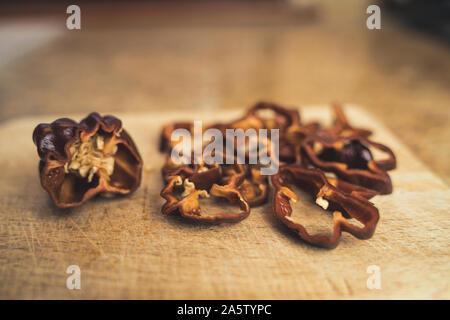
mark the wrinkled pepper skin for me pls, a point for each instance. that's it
(113, 161)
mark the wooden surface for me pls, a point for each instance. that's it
(127, 249)
(144, 56)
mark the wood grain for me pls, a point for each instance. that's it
(127, 249)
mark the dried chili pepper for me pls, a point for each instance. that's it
(81, 160)
(329, 198)
(351, 160)
(342, 127)
(210, 181)
(165, 143)
(274, 116)
(254, 188)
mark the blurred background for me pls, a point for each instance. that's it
(143, 56)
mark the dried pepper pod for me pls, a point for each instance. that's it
(341, 126)
(351, 160)
(352, 189)
(254, 188)
(204, 181)
(274, 116)
(296, 133)
(327, 196)
(165, 142)
(186, 183)
(81, 160)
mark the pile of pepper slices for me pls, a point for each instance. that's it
(333, 164)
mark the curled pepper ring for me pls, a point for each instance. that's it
(211, 179)
(351, 160)
(327, 196)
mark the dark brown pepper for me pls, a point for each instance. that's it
(216, 183)
(354, 154)
(81, 160)
(344, 205)
(351, 161)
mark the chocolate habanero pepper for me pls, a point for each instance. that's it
(185, 184)
(274, 116)
(345, 206)
(81, 160)
(351, 160)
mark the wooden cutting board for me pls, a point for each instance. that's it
(126, 248)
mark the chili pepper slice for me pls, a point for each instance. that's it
(327, 196)
(351, 160)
